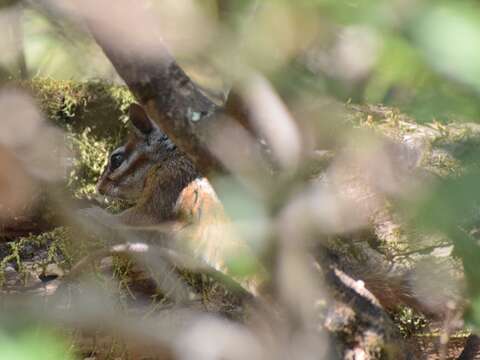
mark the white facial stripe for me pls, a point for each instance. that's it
(122, 169)
(118, 150)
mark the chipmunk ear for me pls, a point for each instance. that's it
(140, 119)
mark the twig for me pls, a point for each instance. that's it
(176, 258)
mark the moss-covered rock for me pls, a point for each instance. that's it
(97, 105)
(94, 117)
(445, 149)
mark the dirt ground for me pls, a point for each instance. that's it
(429, 346)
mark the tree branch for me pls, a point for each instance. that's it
(170, 97)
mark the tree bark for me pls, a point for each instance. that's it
(170, 97)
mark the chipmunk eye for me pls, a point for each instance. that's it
(116, 160)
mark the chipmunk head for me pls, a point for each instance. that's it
(129, 165)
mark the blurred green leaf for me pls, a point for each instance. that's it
(444, 209)
(6, 3)
(33, 345)
(449, 35)
(242, 264)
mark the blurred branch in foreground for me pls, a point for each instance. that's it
(380, 224)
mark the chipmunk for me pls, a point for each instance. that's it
(160, 179)
(152, 172)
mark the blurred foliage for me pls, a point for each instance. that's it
(6, 3)
(94, 117)
(416, 65)
(450, 204)
(420, 56)
(37, 344)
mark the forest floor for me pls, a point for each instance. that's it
(40, 258)
(428, 345)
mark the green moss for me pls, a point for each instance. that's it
(409, 322)
(94, 104)
(445, 148)
(94, 117)
(54, 245)
(90, 157)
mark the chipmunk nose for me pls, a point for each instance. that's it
(101, 186)
(100, 189)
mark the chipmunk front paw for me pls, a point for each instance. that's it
(95, 219)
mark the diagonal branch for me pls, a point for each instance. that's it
(208, 133)
(183, 112)
(129, 38)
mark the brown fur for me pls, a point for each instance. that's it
(155, 175)
(161, 191)
(170, 192)
(165, 186)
